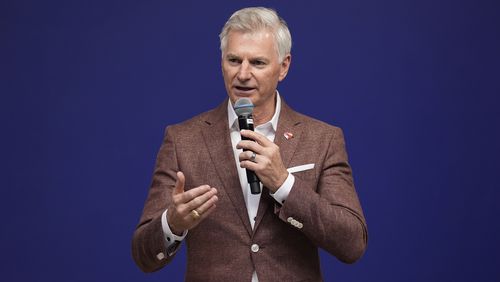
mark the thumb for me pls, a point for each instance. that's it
(179, 184)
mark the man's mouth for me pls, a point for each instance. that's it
(244, 88)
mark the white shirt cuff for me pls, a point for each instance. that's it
(282, 193)
(170, 237)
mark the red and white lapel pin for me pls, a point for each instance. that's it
(288, 135)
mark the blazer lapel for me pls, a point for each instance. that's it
(216, 135)
(288, 122)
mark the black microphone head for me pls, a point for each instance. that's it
(243, 106)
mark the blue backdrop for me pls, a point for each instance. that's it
(87, 88)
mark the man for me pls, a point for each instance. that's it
(199, 193)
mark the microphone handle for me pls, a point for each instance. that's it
(246, 122)
(254, 186)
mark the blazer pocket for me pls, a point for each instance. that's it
(305, 171)
(300, 168)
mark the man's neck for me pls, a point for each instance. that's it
(264, 113)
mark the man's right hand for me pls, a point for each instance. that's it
(180, 215)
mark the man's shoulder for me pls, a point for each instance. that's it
(194, 121)
(313, 124)
(316, 133)
(200, 120)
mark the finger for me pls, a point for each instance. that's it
(247, 155)
(250, 145)
(208, 212)
(200, 200)
(179, 183)
(259, 138)
(249, 165)
(207, 205)
(190, 194)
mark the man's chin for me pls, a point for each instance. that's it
(235, 96)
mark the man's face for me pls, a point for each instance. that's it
(251, 68)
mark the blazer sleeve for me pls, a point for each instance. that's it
(328, 206)
(148, 243)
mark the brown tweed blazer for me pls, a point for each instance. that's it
(322, 210)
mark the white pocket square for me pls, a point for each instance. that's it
(300, 168)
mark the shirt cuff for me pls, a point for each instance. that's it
(170, 237)
(282, 193)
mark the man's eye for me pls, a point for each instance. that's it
(258, 63)
(233, 60)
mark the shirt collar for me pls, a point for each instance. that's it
(232, 118)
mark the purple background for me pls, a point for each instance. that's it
(87, 88)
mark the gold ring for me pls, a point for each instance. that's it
(195, 214)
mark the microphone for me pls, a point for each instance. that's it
(244, 109)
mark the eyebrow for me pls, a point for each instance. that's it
(259, 59)
(233, 56)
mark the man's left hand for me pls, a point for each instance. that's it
(267, 164)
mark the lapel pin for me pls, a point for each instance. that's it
(288, 135)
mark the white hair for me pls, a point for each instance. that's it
(256, 19)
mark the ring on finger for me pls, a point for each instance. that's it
(252, 158)
(195, 214)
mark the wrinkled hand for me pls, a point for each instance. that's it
(202, 199)
(268, 164)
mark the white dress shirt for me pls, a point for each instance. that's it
(267, 129)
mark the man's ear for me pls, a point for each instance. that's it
(285, 65)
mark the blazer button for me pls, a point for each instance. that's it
(290, 219)
(254, 248)
(160, 256)
(300, 225)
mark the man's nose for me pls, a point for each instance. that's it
(244, 72)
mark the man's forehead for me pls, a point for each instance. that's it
(263, 34)
(259, 43)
